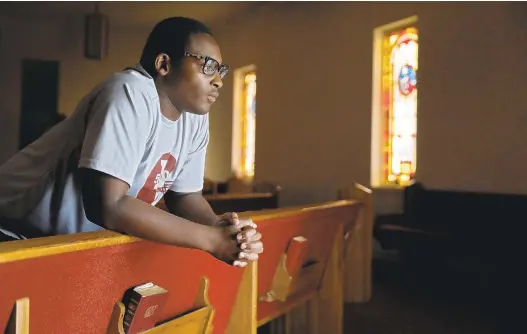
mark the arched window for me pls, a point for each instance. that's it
(249, 124)
(397, 105)
(400, 104)
(244, 126)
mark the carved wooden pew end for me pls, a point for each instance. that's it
(198, 321)
(19, 320)
(359, 250)
(292, 274)
(316, 298)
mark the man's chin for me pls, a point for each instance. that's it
(200, 111)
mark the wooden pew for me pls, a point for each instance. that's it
(306, 296)
(74, 283)
(359, 247)
(237, 202)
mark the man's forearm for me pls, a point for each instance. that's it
(137, 218)
(193, 207)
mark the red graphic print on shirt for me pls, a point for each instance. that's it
(159, 180)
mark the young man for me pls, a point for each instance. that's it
(139, 136)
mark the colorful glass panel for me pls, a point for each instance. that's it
(248, 124)
(399, 105)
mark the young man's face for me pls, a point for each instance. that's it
(190, 89)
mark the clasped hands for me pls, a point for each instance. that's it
(243, 240)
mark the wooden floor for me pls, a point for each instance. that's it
(406, 302)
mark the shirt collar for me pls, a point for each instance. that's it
(142, 70)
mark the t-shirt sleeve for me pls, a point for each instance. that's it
(117, 132)
(192, 174)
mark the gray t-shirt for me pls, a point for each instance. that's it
(117, 129)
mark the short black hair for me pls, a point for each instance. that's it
(170, 36)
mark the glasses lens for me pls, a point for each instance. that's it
(210, 66)
(223, 71)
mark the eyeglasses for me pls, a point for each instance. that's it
(211, 65)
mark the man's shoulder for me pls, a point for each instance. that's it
(131, 81)
(199, 123)
(127, 91)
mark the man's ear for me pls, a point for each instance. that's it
(162, 64)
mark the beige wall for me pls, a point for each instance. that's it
(56, 40)
(314, 91)
(314, 96)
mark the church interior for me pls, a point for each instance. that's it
(338, 121)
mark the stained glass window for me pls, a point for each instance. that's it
(399, 105)
(248, 120)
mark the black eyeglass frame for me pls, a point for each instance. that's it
(222, 69)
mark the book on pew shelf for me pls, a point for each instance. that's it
(296, 253)
(143, 305)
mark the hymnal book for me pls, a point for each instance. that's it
(143, 305)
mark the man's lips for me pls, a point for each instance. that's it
(212, 97)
